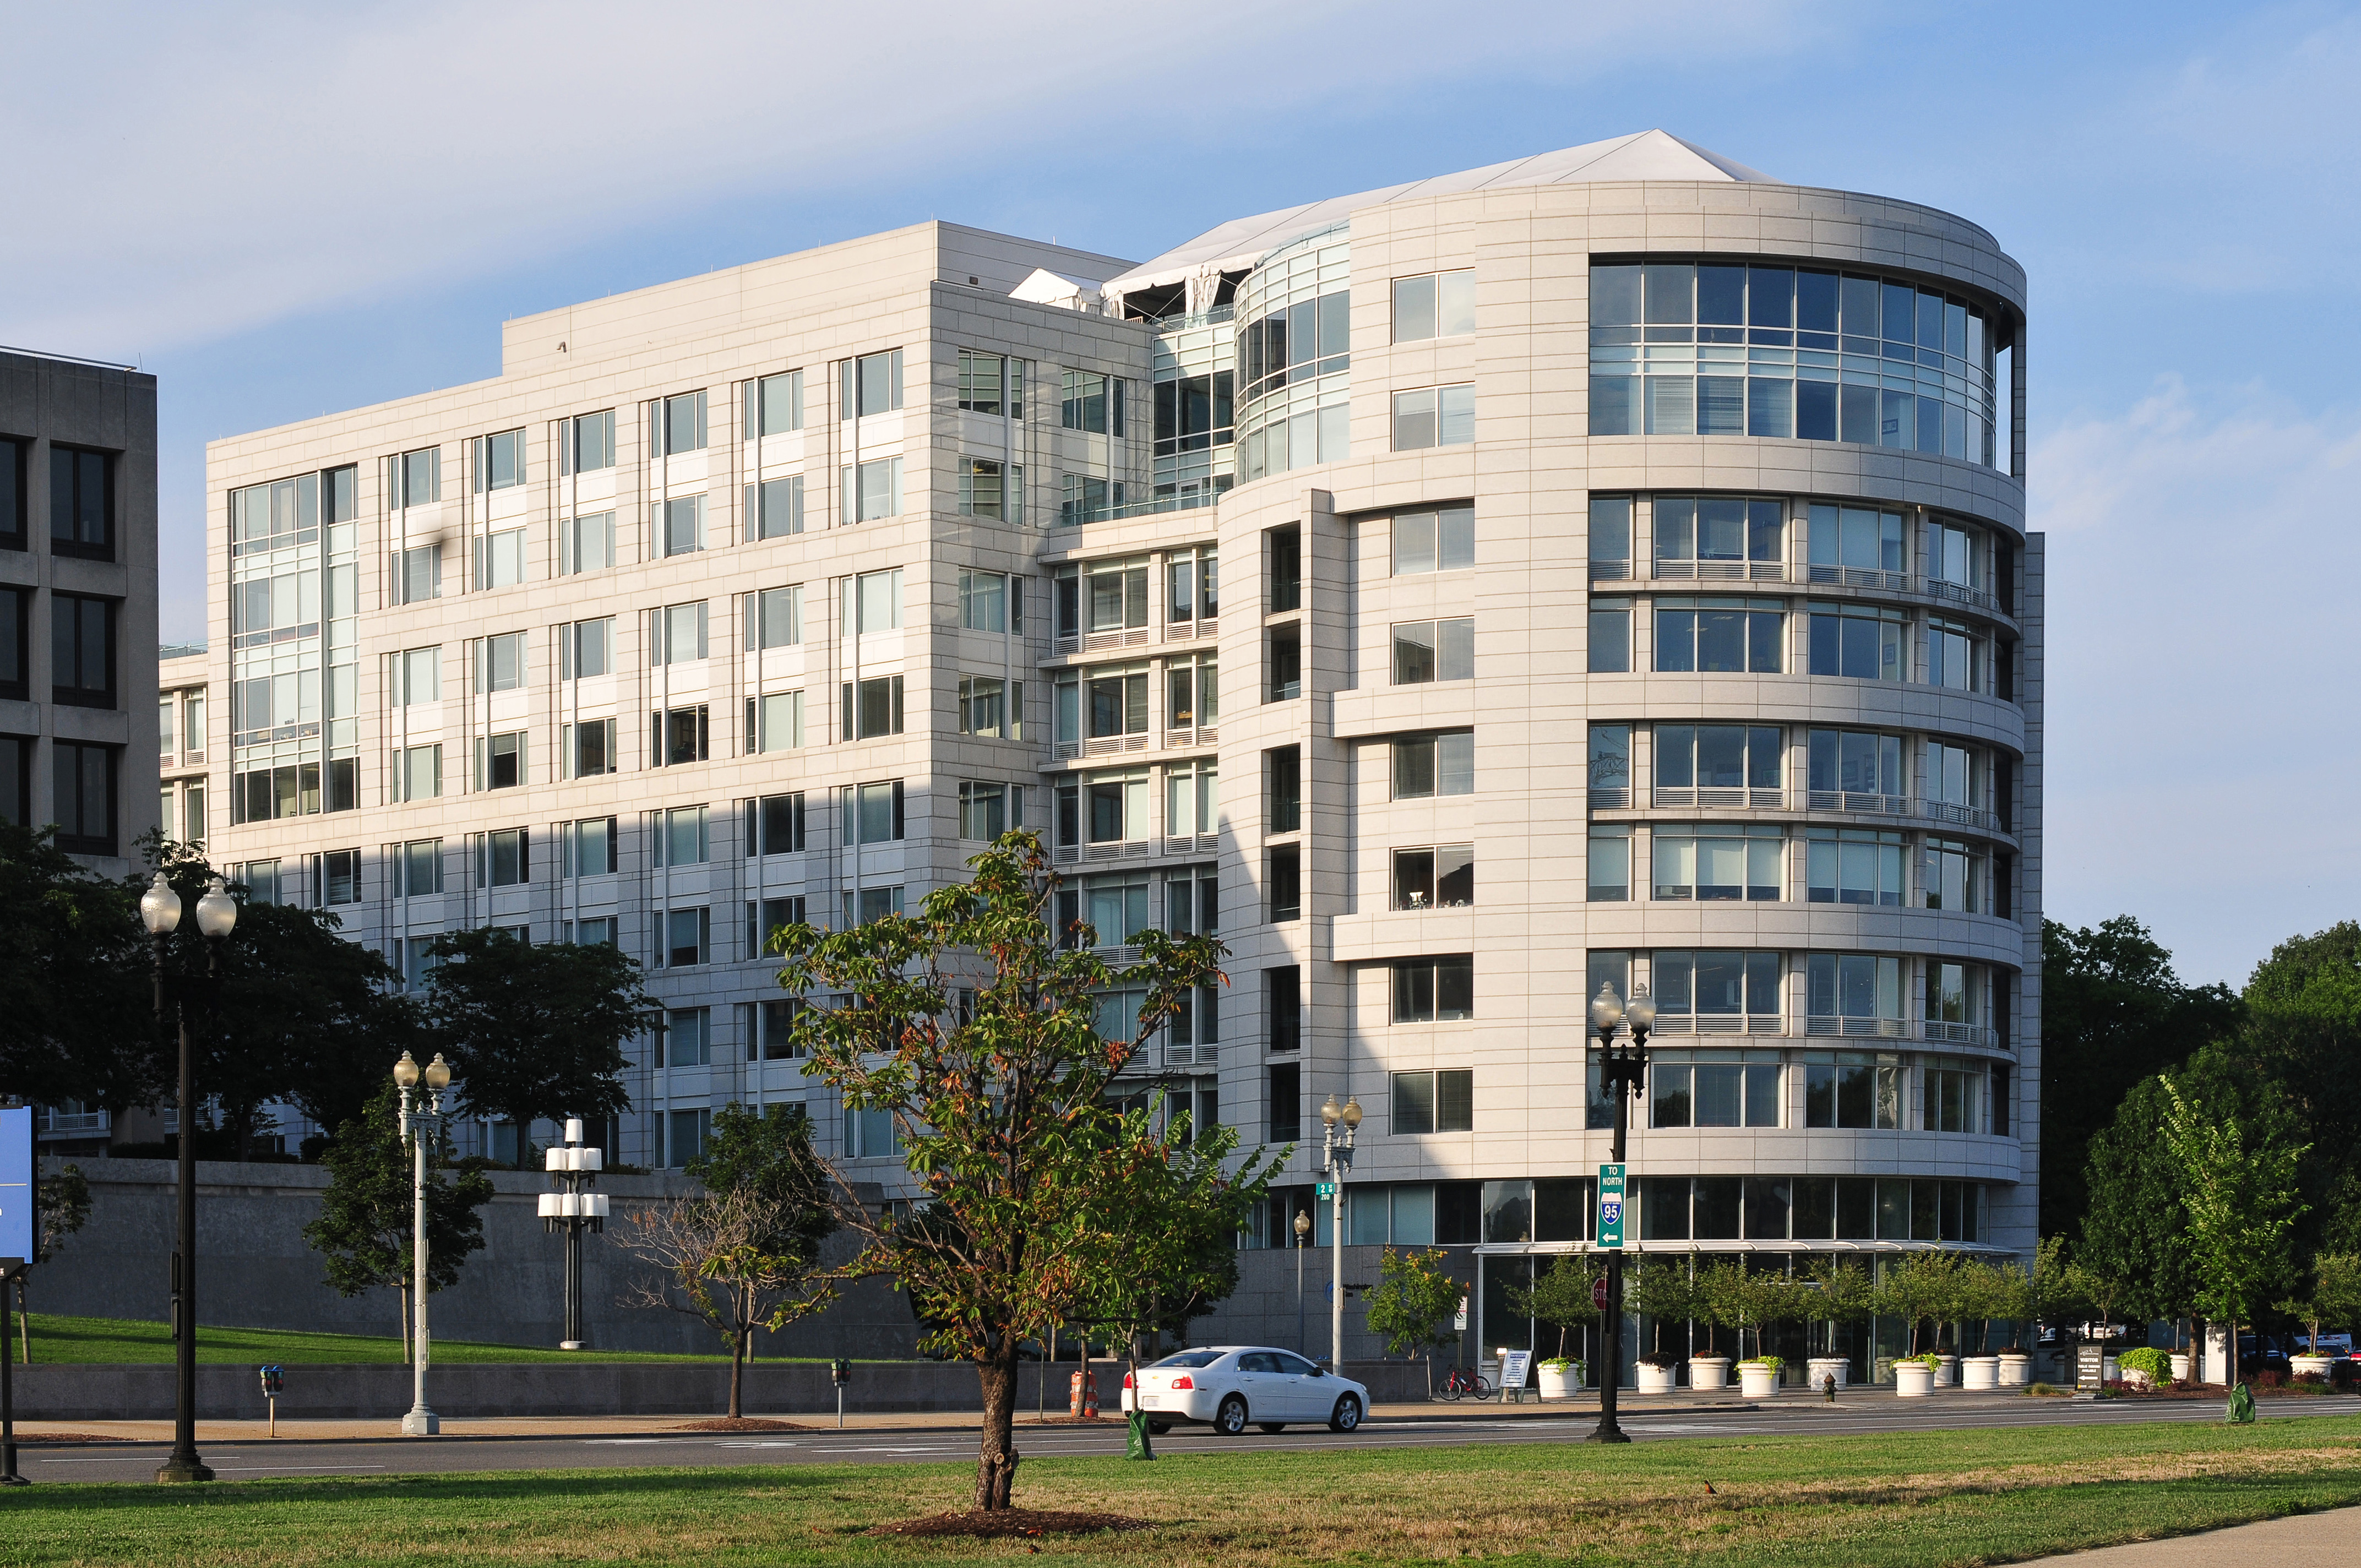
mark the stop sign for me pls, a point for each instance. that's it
(1599, 1292)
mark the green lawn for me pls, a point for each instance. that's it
(61, 1339)
(1920, 1500)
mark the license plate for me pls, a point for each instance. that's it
(1151, 1401)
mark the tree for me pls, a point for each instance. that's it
(2135, 1234)
(999, 1098)
(364, 1233)
(2335, 1296)
(1661, 1289)
(535, 1031)
(2113, 1013)
(1560, 1296)
(1713, 1299)
(1846, 1295)
(2304, 1007)
(76, 1020)
(2043, 1287)
(1920, 1285)
(1415, 1302)
(61, 1202)
(2239, 1182)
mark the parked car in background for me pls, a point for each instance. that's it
(2330, 1344)
(2261, 1354)
(1230, 1387)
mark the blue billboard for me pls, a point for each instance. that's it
(16, 1184)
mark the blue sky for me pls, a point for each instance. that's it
(282, 210)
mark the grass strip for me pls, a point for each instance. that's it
(1909, 1500)
(129, 1341)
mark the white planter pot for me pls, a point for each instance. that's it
(1913, 1379)
(1709, 1372)
(1980, 1372)
(1757, 1382)
(2016, 1371)
(1823, 1367)
(2304, 1363)
(1558, 1382)
(2180, 1366)
(1655, 1380)
(1947, 1375)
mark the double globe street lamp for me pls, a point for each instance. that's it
(1336, 1148)
(159, 911)
(1622, 1068)
(408, 1075)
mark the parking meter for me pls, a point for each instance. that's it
(274, 1383)
(840, 1372)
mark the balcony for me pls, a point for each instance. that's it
(1857, 1028)
(51, 1122)
(1705, 797)
(1960, 1033)
(1720, 1023)
(1105, 745)
(1192, 1056)
(1100, 854)
(1100, 642)
(1617, 797)
(1873, 578)
(1189, 631)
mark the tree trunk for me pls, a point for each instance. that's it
(995, 1463)
(737, 1371)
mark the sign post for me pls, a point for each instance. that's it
(1610, 1207)
(17, 1239)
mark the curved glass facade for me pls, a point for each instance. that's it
(1742, 348)
(1293, 357)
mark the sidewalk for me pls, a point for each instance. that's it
(2300, 1540)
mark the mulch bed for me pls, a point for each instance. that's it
(26, 1439)
(745, 1424)
(1002, 1523)
(1068, 1421)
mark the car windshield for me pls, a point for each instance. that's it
(1192, 1358)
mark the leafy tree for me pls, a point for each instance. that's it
(2042, 1287)
(76, 1020)
(1847, 1295)
(1713, 1299)
(2335, 1296)
(1918, 1286)
(2304, 1007)
(1764, 1296)
(2240, 1185)
(770, 1152)
(1661, 1289)
(535, 1031)
(1560, 1296)
(62, 1204)
(1416, 1300)
(2136, 1236)
(364, 1232)
(2113, 1013)
(1000, 1103)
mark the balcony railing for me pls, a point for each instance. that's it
(1720, 571)
(1189, 630)
(1191, 843)
(1208, 1054)
(1845, 1024)
(60, 1123)
(1092, 854)
(1960, 1033)
(1707, 798)
(1964, 815)
(1094, 642)
(1720, 1023)
(1181, 739)
(1106, 745)
(1874, 579)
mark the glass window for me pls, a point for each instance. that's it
(1435, 541)
(1708, 758)
(1859, 545)
(81, 651)
(499, 461)
(870, 384)
(1861, 641)
(1721, 636)
(1610, 637)
(1436, 416)
(1610, 536)
(1852, 865)
(984, 811)
(1610, 864)
(1853, 993)
(1855, 763)
(872, 490)
(500, 760)
(588, 544)
(1718, 536)
(683, 525)
(1432, 764)
(777, 824)
(991, 384)
(1429, 990)
(418, 478)
(680, 423)
(990, 488)
(775, 508)
(1718, 992)
(501, 662)
(775, 721)
(1434, 651)
(1610, 765)
(870, 709)
(873, 602)
(983, 600)
(586, 443)
(775, 404)
(1711, 864)
(1441, 877)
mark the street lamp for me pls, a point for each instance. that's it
(1336, 1161)
(421, 1421)
(571, 1204)
(1302, 1229)
(159, 911)
(1621, 1071)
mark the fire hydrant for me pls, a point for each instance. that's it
(1829, 1386)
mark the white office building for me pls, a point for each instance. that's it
(1605, 566)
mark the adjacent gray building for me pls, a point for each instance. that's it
(1609, 566)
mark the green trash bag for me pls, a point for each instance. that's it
(2242, 1405)
(1135, 1446)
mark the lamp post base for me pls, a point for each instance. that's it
(573, 1344)
(1606, 1432)
(420, 1422)
(184, 1467)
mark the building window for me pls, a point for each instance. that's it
(1111, 808)
(1719, 864)
(81, 651)
(1955, 656)
(871, 489)
(1192, 685)
(986, 602)
(16, 779)
(1719, 635)
(1091, 401)
(420, 774)
(500, 663)
(874, 904)
(1714, 1088)
(871, 706)
(1442, 877)
(684, 837)
(1193, 801)
(871, 1135)
(988, 810)
(1433, 1102)
(872, 602)
(775, 404)
(1434, 651)
(1611, 766)
(1718, 764)
(421, 868)
(1283, 766)
(874, 812)
(1282, 997)
(778, 618)
(678, 634)
(991, 384)
(991, 706)
(1429, 990)
(775, 823)
(678, 424)
(504, 858)
(585, 442)
(685, 1133)
(1719, 537)
(1610, 864)
(81, 503)
(688, 941)
(1103, 598)
(1435, 541)
(1195, 413)
(499, 461)
(1283, 1090)
(870, 384)
(1283, 876)
(1436, 416)
(682, 735)
(1193, 902)
(1853, 993)
(1084, 499)
(1952, 872)
(1858, 547)
(683, 521)
(1852, 865)
(1113, 907)
(85, 782)
(775, 508)
(1718, 992)
(1439, 304)
(16, 646)
(1610, 637)
(1952, 1096)
(990, 488)
(1861, 641)
(774, 722)
(1610, 538)
(12, 494)
(776, 1021)
(1286, 662)
(1436, 765)
(589, 847)
(418, 573)
(416, 478)
(588, 543)
(1852, 769)
(499, 761)
(337, 878)
(588, 748)
(1853, 1090)
(688, 1042)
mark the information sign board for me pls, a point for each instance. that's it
(1459, 1318)
(16, 1184)
(2090, 1365)
(1611, 1206)
(1514, 1365)
(1325, 1189)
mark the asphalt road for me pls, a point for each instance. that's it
(238, 1460)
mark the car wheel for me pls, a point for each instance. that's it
(1159, 1428)
(1231, 1418)
(1347, 1414)
(1272, 1426)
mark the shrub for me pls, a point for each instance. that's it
(1665, 1358)
(1567, 1363)
(1768, 1363)
(1929, 1358)
(2147, 1359)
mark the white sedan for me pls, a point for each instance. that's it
(1227, 1387)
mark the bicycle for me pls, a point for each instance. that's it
(1460, 1380)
